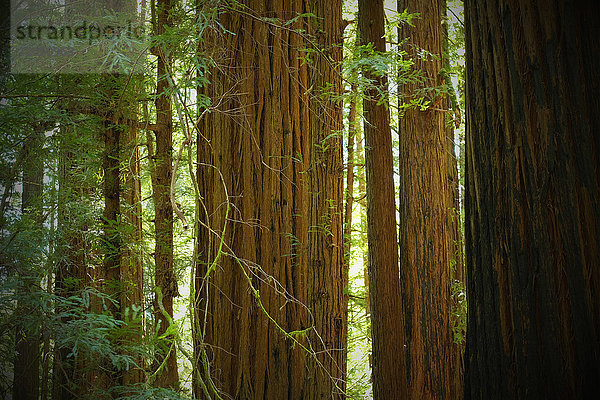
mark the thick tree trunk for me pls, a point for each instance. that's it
(389, 380)
(425, 211)
(533, 199)
(271, 244)
(26, 383)
(165, 280)
(327, 283)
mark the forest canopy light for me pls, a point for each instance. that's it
(80, 37)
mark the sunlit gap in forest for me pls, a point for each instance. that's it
(299, 200)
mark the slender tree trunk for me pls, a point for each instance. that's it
(389, 379)
(451, 107)
(46, 344)
(165, 280)
(425, 211)
(533, 199)
(122, 267)
(71, 271)
(26, 384)
(363, 237)
(270, 244)
(111, 263)
(132, 272)
(348, 204)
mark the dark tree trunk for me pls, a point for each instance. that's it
(533, 199)
(389, 378)
(26, 384)
(107, 376)
(112, 209)
(271, 231)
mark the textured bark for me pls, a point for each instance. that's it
(106, 376)
(389, 380)
(426, 246)
(165, 279)
(327, 283)
(112, 212)
(281, 224)
(532, 199)
(26, 383)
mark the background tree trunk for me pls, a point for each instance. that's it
(73, 271)
(165, 279)
(362, 179)
(389, 380)
(452, 120)
(278, 209)
(349, 194)
(533, 199)
(426, 246)
(132, 272)
(26, 383)
(112, 243)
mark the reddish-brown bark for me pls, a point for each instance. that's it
(164, 279)
(272, 138)
(389, 380)
(425, 210)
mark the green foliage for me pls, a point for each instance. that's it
(72, 111)
(459, 312)
(144, 392)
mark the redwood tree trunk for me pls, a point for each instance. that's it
(533, 199)
(26, 383)
(389, 380)
(425, 211)
(132, 272)
(349, 194)
(165, 279)
(457, 261)
(278, 210)
(111, 263)
(73, 271)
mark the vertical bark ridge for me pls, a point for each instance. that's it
(387, 325)
(425, 210)
(262, 140)
(532, 199)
